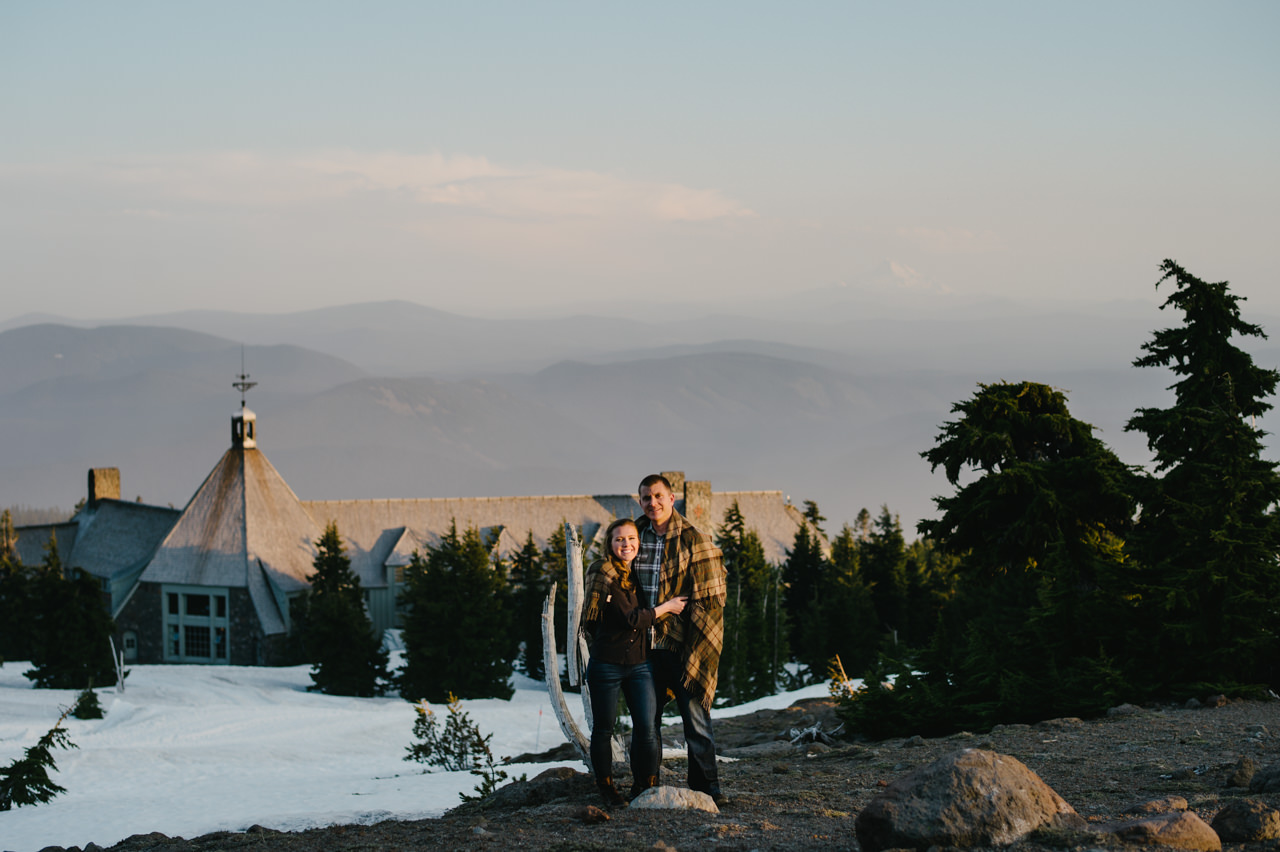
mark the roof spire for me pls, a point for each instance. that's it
(243, 384)
(244, 423)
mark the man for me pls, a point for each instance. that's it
(676, 559)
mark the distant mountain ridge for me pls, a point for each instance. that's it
(843, 425)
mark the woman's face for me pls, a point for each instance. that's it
(625, 544)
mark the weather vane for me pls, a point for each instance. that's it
(243, 384)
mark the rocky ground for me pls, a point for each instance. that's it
(788, 798)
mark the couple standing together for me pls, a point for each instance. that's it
(654, 617)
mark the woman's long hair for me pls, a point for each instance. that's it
(623, 570)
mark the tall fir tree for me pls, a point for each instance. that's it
(804, 575)
(1208, 534)
(884, 567)
(71, 628)
(16, 615)
(1044, 590)
(754, 641)
(846, 613)
(334, 629)
(457, 632)
(529, 592)
(555, 567)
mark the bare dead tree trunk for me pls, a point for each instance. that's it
(551, 668)
(576, 653)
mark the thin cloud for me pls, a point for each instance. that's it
(435, 183)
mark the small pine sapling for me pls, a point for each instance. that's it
(87, 705)
(26, 781)
(459, 746)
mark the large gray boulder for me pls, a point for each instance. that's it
(1266, 780)
(968, 798)
(1247, 820)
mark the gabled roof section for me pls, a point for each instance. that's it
(118, 537)
(33, 539)
(244, 528)
(378, 533)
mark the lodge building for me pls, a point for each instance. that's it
(211, 582)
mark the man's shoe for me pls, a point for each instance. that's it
(717, 796)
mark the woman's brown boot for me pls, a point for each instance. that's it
(610, 793)
(640, 785)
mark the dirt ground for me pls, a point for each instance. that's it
(796, 800)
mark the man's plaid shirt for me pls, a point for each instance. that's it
(647, 566)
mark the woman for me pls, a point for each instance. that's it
(618, 626)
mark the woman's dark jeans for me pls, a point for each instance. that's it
(636, 682)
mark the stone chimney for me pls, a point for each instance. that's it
(104, 484)
(676, 478)
(697, 504)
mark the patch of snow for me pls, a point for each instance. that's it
(188, 750)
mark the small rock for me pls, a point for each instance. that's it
(1186, 773)
(781, 769)
(1179, 830)
(555, 773)
(674, 798)
(913, 742)
(479, 831)
(1125, 710)
(1192, 704)
(1257, 732)
(1242, 773)
(1217, 701)
(1158, 806)
(1060, 724)
(1247, 820)
(1266, 780)
(590, 814)
(817, 748)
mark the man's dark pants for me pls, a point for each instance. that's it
(668, 674)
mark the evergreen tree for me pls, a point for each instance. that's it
(754, 647)
(16, 617)
(846, 613)
(930, 584)
(884, 566)
(529, 593)
(555, 568)
(87, 705)
(1208, 534)
(457, 631)
(1043, 586)
(71, 630)
(26, 781)
(334, 630)
(804, 576)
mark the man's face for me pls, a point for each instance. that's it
(657, 502)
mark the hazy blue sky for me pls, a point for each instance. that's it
(486, 157)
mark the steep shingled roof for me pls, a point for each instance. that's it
(244, 528)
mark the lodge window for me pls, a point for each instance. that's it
(196, 624)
